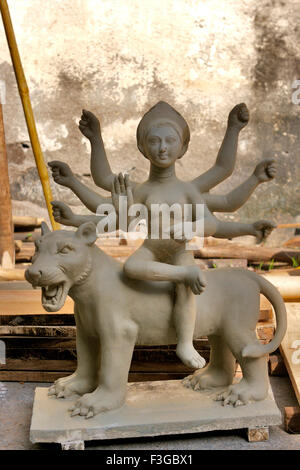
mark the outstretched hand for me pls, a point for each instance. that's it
(121, 187)
(89, 124)
(62, 213)
(262, 229)
(61, 173)
(239, 116)
(265, 170)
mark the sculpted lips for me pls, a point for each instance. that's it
(53, 296)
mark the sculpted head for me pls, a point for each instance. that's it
(62, 259)
(163, 135)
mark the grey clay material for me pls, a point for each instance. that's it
(114, 312)
(162, 296)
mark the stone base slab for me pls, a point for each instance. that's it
(151, 409)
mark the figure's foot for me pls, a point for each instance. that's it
(195, 279)
(96, 402)
(208, 378)
(189, 356)
(243, 393)
(73, 385)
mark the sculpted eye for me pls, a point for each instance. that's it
(153, 141)
(65, 250)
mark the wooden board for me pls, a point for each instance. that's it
(252, 253)
(290, 346)
(27, 302)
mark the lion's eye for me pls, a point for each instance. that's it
(64, 250)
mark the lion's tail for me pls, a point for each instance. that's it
(272, 294)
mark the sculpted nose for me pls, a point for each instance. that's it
(163, 146)
(33, 275)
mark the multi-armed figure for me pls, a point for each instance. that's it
(163, 137)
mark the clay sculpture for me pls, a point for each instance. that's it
(109, 325)
(163, 297)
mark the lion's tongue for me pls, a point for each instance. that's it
(51, 291)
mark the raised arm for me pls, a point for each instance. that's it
(264, 171)
(211, 226)
(260, 229)
(89, 126)
(63, 175)
(64, 215)
(224, 166)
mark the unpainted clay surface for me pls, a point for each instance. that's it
(159, 296)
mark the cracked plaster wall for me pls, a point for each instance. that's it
(119, 57)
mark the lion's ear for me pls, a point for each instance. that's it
(44, 228)
(87, 231)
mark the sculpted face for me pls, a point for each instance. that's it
(62, 259)
(163, 146)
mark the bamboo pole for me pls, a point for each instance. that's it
(7, 246)
(25, 98)
(293, 225)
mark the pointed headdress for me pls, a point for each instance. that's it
(162, 113)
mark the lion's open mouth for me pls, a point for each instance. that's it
(54, 296)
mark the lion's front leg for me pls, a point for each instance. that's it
(85, 378)
(116, 355)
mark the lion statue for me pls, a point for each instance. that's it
(114, 313)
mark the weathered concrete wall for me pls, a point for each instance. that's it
(118, 57)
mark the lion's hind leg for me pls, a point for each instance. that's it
(254, 384)
(220, 370)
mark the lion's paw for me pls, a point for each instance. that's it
(242, 393)
(207, 378)
(70, 386)
(91, 404)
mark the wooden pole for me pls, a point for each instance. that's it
(7, 247)
(294, 225)
(25, 98)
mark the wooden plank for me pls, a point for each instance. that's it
(276, 366)
(292, 419)
(258, 434)
(27, 302)
(265, 331)
(290, 346)
(46, 319)
(7, 246)
(266, 310)
(49, 376)
(251, 252)
(14, 274)
(57, 331)
(25, 221)
(27, 251)
(70, 365)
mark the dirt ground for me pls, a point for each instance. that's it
(16, 401)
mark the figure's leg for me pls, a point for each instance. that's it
(184, 318)
(85, 378)
(142, 265)
(116, 355)
(220, 370)
(185, 314)
(254, 384)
